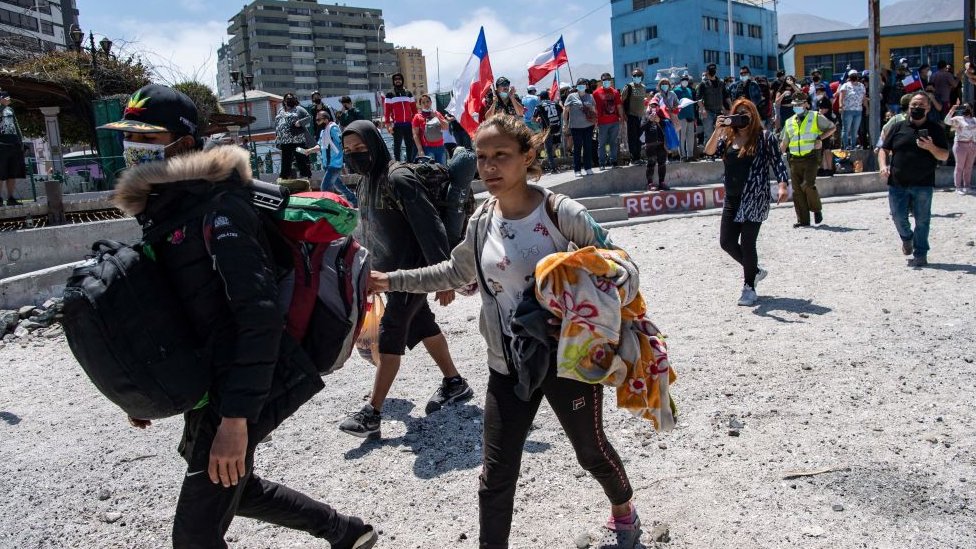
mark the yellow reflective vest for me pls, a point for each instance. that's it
(803, 135)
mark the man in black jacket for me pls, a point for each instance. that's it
(222, 268)
(403, 231)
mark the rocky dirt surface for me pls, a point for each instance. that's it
(851, 362)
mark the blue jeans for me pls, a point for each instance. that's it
(919, 199)
(852, 124)
(608, 134)
(437, 153)
(331, 182)
(582, 148)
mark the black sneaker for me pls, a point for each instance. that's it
(818, 217)
(907, 247)
(800, 225)
(13, 202)
(450, 391)
(362, 424)
(917, 262)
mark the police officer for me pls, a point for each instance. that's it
(803, 136)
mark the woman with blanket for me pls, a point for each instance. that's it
(507, 237)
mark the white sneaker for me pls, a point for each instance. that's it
(578, 174)
(761, 275)
(749, 297)
(589, 172)
(961, 191)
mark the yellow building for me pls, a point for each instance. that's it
(833, 52)
(414, 68)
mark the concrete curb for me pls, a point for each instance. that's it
(35, 288)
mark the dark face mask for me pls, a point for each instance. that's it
(816, 79)
(917, 113)
(316, 100)
(711, 72)
(291, 103)
(359, 162)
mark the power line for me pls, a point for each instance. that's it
(540, 37)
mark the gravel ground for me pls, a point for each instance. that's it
(850, 360)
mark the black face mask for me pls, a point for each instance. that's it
(291, 103)
(359, 162)
(917, 113)
(711, 72)
(816, 79)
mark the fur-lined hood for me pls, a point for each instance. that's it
(215, 165)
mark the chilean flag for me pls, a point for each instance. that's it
(471, 86)
(912, 82)
(548, 61)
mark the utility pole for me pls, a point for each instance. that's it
(969, 32)
(874, 61)
(732, 68)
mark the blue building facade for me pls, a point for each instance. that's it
(655, 35)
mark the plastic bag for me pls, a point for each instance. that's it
(368, 343)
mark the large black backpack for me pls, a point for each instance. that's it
(448, 188)
(128, 330)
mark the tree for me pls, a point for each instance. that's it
(203, 97)
(83, 79)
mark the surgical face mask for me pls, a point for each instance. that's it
(581, 88)
(503, 95)
(428, 110)
(358, 162)
(638, 79)
(136, 153)
(820, 96)
(606, 84)
(799, 110)
(684, 83)
(744, 77)
(917, 113)
(665, 87)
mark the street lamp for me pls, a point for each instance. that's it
(246, 82)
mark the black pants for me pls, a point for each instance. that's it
(582, 148)
(288, 155)
(551, 142)
(205, 510)
(633, 137)
(403, 135)
(656, 154)
(739, 239)
(579, 408)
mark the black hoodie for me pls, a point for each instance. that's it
(401, 226)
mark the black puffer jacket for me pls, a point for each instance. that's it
(230, 292)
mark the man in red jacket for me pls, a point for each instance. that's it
(399, 108)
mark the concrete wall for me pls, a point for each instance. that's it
(35, 249)
(34, 288)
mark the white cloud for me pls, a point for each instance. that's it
(508, 50)
(179, 50)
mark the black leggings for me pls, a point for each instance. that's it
(288, 155)
(579, 408)
(656, 154)
(739, 239)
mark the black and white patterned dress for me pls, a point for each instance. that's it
(757, 194)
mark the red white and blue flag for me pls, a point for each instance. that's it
(554, 90)
(548, 61)
(912, 82)
(471, 86)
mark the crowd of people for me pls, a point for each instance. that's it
(226, 270)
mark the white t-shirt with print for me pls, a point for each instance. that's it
(512, 250)
(965, 128)
(854, 98)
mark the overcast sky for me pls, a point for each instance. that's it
(182, 36)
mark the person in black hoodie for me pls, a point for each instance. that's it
(227, 282)
(402, 230)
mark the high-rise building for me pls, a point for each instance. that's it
(302, 46)
(413, 66)
(656, 35)
(40, 25)
(225, 87)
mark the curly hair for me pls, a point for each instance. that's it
(514, 128)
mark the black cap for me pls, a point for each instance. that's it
(155, 109)
(502, 81)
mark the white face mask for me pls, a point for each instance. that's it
(136, 153)
(820, 96)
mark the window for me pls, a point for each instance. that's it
(837, 63)
(641, 4)
(630, 67)
(755, 31)
(822, 63)
(739, 28)
(711, 56)
(740, 59)
(638, 36)
(653, 61)
(756, 61)
(710, 24)
(846, 61)
(930, 55)
(18, 20)
(772, 63)
(47, 28)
